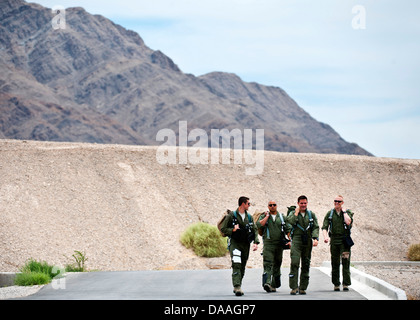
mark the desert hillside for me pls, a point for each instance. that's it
(126, 211)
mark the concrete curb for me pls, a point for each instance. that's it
(7, 279)
(382, 287)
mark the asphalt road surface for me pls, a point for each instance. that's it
(183, 285)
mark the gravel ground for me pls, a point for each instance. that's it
(18, 292)
(126, 211)
(404, 277)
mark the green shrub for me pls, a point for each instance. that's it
(38, 267)
(205, 240)
(73, 268)
(36, 273)
(413, 253)
(80, 259)
(31, 279)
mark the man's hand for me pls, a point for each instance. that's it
(315, 242)
(236, 227)
(347, 219)
(265, 219)
(254, 247)
(326, 237)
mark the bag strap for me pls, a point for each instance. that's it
(235, 218)
(282, 225)
(310, 224)
(250, 220)
(330, 220)
(346, 228)
(266, 228)
(311, 221)
(281, 217)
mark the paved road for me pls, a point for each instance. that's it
(183, 285)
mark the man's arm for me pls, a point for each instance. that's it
(348, 217)
(325, 226)
(263, 219)
(227, 227)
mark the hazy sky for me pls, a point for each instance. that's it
(352, 64)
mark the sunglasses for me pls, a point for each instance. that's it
(272, 205)
(338, 201)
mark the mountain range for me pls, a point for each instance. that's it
(95, 81)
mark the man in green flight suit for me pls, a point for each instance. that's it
(241, 230)
(339, 221)
(305, 234)
(275, 230)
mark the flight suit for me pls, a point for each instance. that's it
(239, 244)
(301, 249)
(273, 249)
(337, 247)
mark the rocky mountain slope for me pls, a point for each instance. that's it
(126, 211)
(95, 81)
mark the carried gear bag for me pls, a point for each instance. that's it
(347, 240)
(256, 217)
(220, 223)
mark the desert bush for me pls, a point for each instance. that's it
(205, 240)
(80, 259)
(38, 267)
(31, 279)
(413, 252)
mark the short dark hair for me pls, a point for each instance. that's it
(302, 198)
(242, 200)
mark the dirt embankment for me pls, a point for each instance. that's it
(126, 211)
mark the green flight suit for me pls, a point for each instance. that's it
(239, 245)
(301, 250)
(337, 246)
(273, 250)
